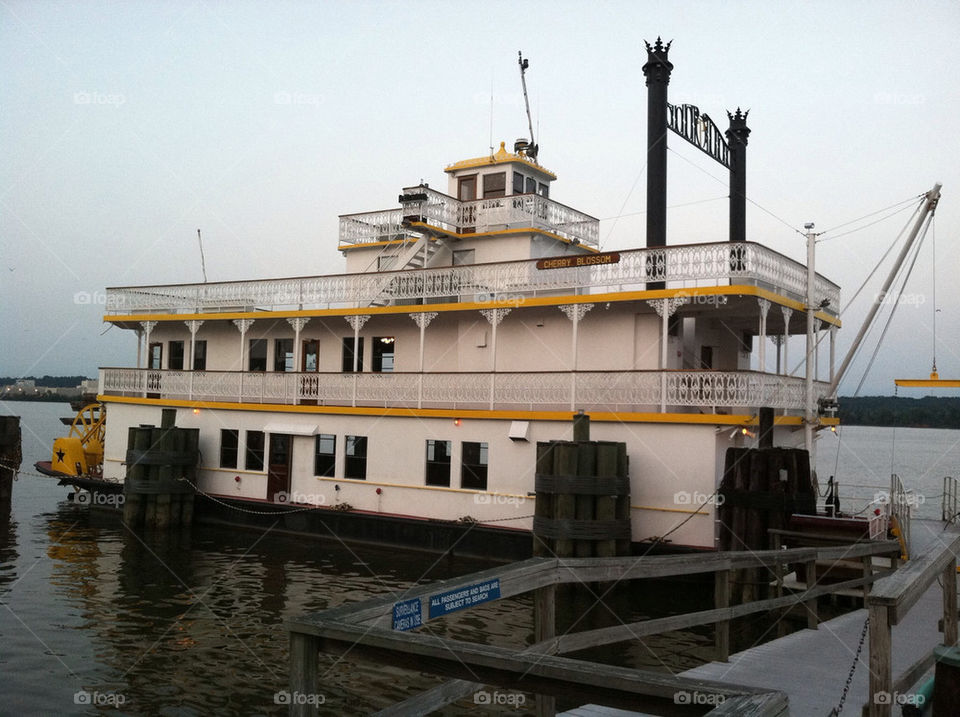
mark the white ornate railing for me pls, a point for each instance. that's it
(594, 390)
(478, 215)
(678, 266)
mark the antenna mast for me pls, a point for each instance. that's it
(203, 263)
(531, 149)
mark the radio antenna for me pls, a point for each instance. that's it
(203, 264)
(530, 149)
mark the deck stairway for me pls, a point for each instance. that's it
(416, 255)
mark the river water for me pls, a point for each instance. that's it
(94, 617)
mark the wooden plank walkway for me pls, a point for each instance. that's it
(811, 666)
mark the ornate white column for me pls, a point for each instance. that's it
(777, 340)
(665, 308)
(297, 323)
(147, 328)
(193, 326)
(422, 320)
(242, 326)
(787, 312)
(762, 342)
(356, 323)
(574, 312)
(494, 316)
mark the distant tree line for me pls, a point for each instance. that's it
(49, 381)
(926, 412)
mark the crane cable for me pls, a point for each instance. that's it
(933, 238)
(896, 304)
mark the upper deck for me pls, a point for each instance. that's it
(457, 218)
(680, 266)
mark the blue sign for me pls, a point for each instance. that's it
(407, 614)
(464, 597)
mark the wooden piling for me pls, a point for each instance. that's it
(10, 455)
(157, 459)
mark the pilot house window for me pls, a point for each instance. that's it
(467, 188)
(494, 185)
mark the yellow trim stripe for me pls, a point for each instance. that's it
(928, 382)
(473, 414)
(520, 302)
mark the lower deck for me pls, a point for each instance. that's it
(454, 469)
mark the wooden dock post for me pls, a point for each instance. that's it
(157, 458)
(304, 657)
(10, 455)
(950, 604)
(721, 599)
(881, 661)
(582, 509)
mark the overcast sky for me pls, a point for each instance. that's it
(127, 125)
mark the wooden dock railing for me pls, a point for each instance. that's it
(890, 601)
(380, 629)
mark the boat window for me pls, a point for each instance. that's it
(494, 185)
(229, 441)
(531, 187)
(155, 356)
(383, 347)
(348, 363)
(467, 188)
(517, 183)
(325, 455)
(311, 355)
(258, 355)
(283, 355)
(543, 189)
(355, 465)
(175, 361)
(473, 466)
(254, 454)
(200, 355)
(438, 463)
